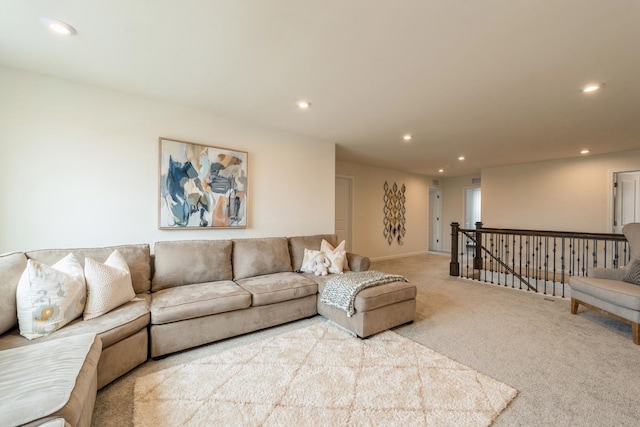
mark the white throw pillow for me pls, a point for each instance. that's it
(49, 297)
(108, 285)
(337, 259)
(309, 255)
(329, 250)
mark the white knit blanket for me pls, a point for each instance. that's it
(341, 290)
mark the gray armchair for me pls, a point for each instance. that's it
(605, 291)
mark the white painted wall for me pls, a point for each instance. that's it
(564, 195)
(79, 168)
(368, 238)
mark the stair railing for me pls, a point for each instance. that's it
(534, 260)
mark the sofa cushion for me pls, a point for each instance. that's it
(197, 300)
(108, 285)
(608, 272)
(613, 291)
(383, 295)
(187, 262)
(138, 259)
(376, 296)
(49, 297)
(114, 326)
(299, 243)
(278, 287)
(11, 268)
(256, 257)
(41, 386)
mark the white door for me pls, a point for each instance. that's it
(435, 226)
(627, 199)
(344, 196)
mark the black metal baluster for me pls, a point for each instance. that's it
(562, 261)
(513, 262)
(500, 254)
(572, 253)
(555, 254)
(520, 263)
(546, 263)
(526, 258)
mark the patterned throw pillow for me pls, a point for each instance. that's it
(329, 250)
(108, 285)
(309, 255)
(338, 259)
(633, 275)
(49, 297)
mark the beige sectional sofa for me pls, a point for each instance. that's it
(190, 293)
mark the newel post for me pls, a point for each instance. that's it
(454, 265)
(477, 258)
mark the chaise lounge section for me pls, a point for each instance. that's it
(201, 291)
(36, 388)
(377, 309)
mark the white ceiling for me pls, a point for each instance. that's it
(494, 80)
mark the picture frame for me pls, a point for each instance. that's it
(201, 186)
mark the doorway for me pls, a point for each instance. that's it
(344, 202)
(626, 199)
(472, 207)
(435, 226)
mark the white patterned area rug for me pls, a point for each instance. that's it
(321, 375)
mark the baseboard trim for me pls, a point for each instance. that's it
(447, 254)
(383, 258)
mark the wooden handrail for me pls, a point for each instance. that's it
(548, 233)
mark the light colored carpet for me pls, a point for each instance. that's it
(569, 370)
(321, 375)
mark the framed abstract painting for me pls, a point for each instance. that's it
(201, 186)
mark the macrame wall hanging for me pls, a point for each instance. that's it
(394, 213)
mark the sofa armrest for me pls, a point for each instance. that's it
(607, 273)
(358, 262)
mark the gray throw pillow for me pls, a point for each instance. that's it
(633, 275)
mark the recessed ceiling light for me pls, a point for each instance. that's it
(585, 151)
(303, 105)
(461, 158)
(58, 27)
(440, 170)
(407, 137)
(592, 87)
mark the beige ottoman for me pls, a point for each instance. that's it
(377, 308)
